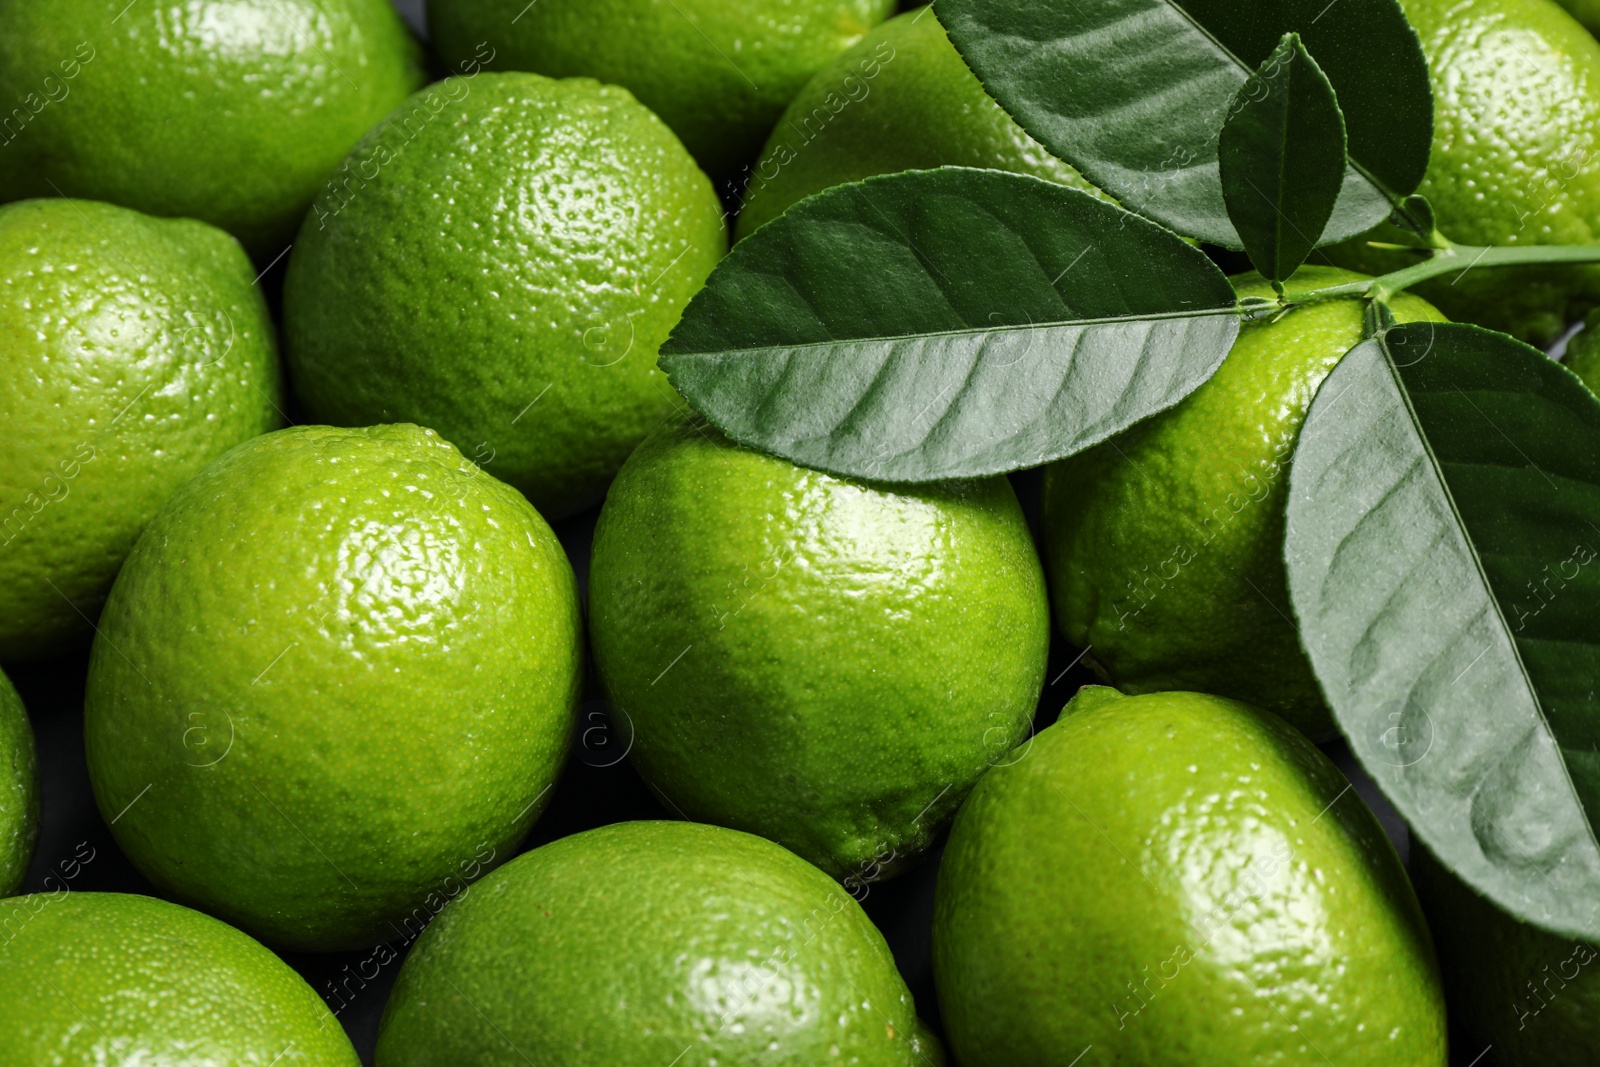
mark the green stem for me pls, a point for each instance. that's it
(1458, 258)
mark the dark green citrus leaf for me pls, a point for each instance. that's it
(948, 323)
(1134, 93)
(1443, 549)
(1282, 159)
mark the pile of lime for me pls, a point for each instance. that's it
(452, 693)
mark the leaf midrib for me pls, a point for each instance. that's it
(1280, 220)
(1477, 562)
(1205, 32)
(963, 332)
(1349, 160)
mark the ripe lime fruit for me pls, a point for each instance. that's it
(19, 790)
(230, 111)
(1533, 996)
(718, 71)
(649, 943)
(1165, 543)
(334, 682)
(114, 978)
(1178, 879)
(900, 99)
(136, 351)
(500, 260)
(1516, 129)
(824, 662)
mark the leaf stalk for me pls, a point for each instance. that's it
(1455, 259)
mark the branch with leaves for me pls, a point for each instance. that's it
(955, 322)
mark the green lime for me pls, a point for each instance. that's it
(334, 683)
(230, 111)
(644, 944)
(226, 111)
(719, 72)
(19, 790)
(901, 99)
(109, 978)
(1177, 879)
(500, 261)
(827, 663)
(1515, 115)
(1532, 996)
(1165, 543)
(136, 351)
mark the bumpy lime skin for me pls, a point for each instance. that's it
(230, 111)
(136, 352)
(501, 260)
(647, 943)
(1165, 544)
(19, 790)
(1177, 879)
(1533, 996)
(334, 682)
(719, 72)
(103, 978)
(823, 662)
(901, 99)
(1516, 143)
